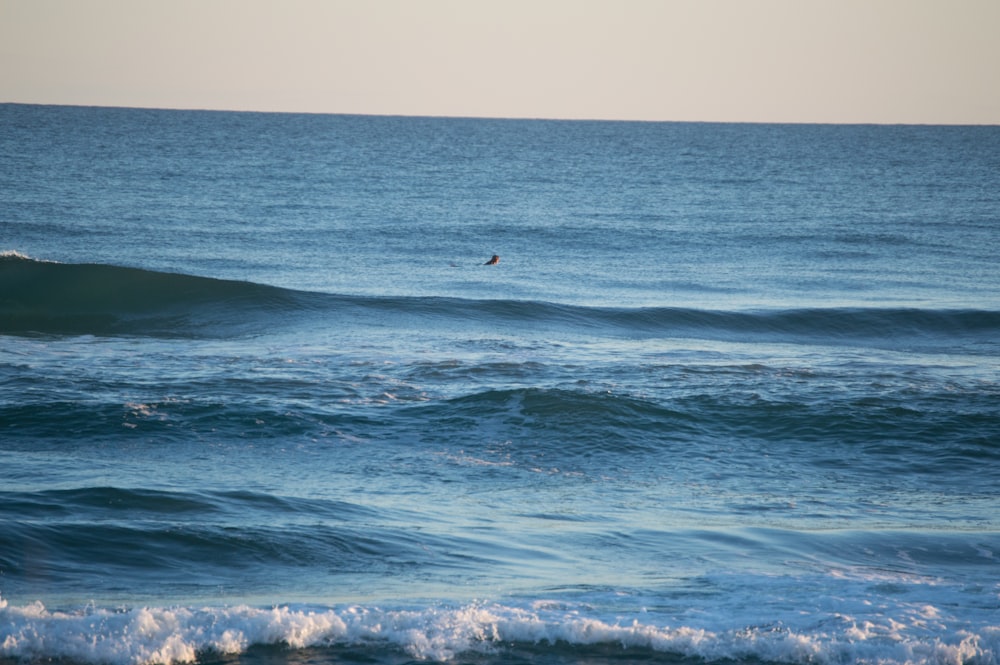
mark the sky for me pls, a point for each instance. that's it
(837, 61)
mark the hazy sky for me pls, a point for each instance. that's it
(885, 61)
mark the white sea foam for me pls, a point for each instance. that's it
(13, 254)
(180, 634)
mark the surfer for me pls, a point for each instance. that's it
(492, 262)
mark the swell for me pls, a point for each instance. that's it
(76, 299)
(38, 297)
(72, 553)
(939, 442)
(938, 434)
(179, 542)
(87, 503)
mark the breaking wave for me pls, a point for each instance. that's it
(542, 630)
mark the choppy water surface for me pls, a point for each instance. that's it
(731, 393)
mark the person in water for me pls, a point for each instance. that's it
(492, 262)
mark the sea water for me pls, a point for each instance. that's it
(732, 393)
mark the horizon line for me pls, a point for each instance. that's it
(529, 118)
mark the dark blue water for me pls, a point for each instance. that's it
(732, 393)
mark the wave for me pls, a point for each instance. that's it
(585, 423)
(957, 428)
(75, 299)
(538, 631)
(135, 503)
(39, 297)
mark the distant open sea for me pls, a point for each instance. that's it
(730, 396)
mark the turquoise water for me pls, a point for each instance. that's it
(730, 394)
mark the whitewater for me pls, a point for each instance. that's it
(730, 395)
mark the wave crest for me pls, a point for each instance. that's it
(73, 299)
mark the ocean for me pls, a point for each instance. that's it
(731, 394)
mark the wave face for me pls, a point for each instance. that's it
(88, 299)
